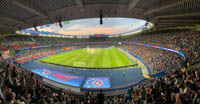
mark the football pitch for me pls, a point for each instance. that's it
(92, 57)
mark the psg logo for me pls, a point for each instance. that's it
(97, 83)
(46, 72)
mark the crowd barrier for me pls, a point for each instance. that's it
(94, 68)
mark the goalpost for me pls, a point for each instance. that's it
(90, 50)
(79, 64)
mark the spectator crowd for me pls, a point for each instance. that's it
(178, 86)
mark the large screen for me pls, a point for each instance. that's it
(97, 82)
(63, 78)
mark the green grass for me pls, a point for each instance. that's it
(100, 58)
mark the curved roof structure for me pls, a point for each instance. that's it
(22, 14)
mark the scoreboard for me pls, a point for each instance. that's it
(98, 36)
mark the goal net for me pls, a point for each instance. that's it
(90, 50)
(79, 64)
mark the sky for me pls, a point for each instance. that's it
(91, 26)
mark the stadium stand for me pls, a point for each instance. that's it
(186, 42)
(173, 87)
(176, 26)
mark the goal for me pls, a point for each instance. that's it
(79, 64)
(90, 50)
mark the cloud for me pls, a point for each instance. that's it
(105, 30)
(87, 31)
(73, 27)
(47, 29)
(91, 26)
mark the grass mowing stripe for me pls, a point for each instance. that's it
(67, 58)
(104, 64)
(113, 62)
(106, 58)
(58, 57)
(120, 61)
(109, 59)
(85, 58)
(92, 61)
(118, 58)
(76, 59)
(91, 56)
(64, 58)
(102, 57)
(119, 55)
(98, 61)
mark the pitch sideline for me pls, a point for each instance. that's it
(145, 72)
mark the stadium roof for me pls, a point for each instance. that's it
(22, 14)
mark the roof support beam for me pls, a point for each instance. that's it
(11, 19)
(80, 5)
(4, 26)
(177, 24)
(175, 21)
(166, 4)
(132, 4)
(175, 15)
(23, 4)
(170, 26)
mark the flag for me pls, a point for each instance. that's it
(66, 22)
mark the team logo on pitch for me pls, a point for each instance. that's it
(46, 72)
(97, 83)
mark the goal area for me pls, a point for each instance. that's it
(90, 50)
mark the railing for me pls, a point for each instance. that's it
(94, 68)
